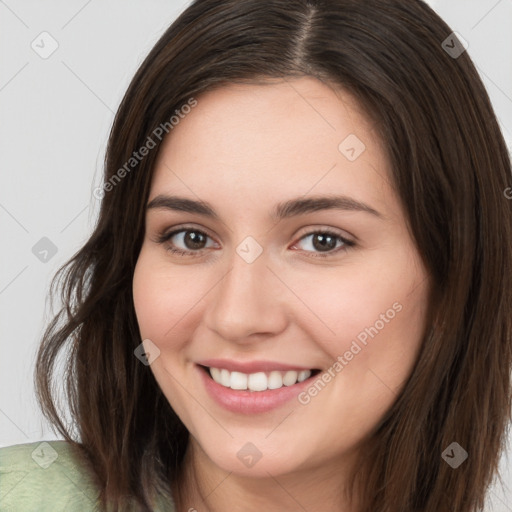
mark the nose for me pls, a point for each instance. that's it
(249, 300)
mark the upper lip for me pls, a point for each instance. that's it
(251, 366)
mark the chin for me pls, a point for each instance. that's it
(256, 460)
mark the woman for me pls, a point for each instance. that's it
(298, 292)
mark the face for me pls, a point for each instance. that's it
(317, 305)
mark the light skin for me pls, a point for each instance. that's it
(243, 149)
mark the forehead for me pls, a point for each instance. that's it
(289, 136)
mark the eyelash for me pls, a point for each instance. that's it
(165, 237)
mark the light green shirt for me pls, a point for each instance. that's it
(46, 477)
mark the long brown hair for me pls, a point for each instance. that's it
(451, 169)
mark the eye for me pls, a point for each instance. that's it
(326, 243)
(323, 243)
(192, 239)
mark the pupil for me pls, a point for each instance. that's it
(325, 242)
(193, 239)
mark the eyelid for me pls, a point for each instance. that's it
(319, 228)
(348, 242)
(304, 231)
(167, 233)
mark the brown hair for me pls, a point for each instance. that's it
(451, 168)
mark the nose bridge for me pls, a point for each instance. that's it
(242, 280)
(245, 302)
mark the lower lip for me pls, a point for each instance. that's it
(251, 402)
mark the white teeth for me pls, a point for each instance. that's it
(259, 381)
(215, 373)
(275, 380)
(238, 380)
(225, 378)
(290, 378)
(303, 375)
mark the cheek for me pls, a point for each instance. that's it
(373, 317)
(164, 304)
(378, 327)
(162, 298)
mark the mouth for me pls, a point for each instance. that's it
(258, 382)
(256, 386)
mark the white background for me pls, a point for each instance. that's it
(56, 115)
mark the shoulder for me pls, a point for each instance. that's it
(51, 476)
(44, 476)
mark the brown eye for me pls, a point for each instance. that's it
(185, 241)
(194, 239)
(325, 243)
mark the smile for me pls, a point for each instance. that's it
(252, 391)
(260, 381)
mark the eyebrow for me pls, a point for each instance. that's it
(284, 210)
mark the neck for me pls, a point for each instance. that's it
(205, 487)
